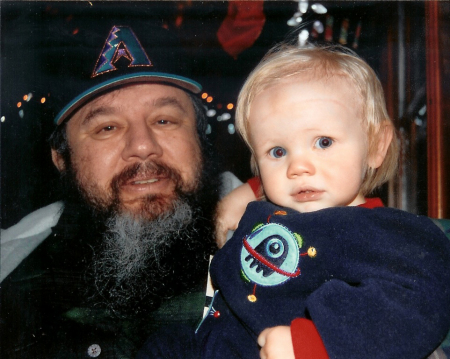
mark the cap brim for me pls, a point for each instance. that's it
(139, 77)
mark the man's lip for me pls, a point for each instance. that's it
(144, 186)
(139, 181)
(152, 180)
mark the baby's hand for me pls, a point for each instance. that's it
(276, 343)
(230, 210)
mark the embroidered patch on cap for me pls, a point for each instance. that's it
(121, 43)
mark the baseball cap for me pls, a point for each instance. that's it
(105, 55)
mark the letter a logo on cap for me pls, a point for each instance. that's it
(121, 43)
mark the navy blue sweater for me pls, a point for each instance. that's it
(375, 282)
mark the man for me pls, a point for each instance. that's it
(92, 276)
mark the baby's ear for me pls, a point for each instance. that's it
(385, 135)
(58, 160)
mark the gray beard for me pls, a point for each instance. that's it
(131, 243)
(141, 259)
(132, 262)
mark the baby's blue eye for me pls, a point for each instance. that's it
(323, 142)
(277, 152)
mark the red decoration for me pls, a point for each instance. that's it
(242, 26)
(329, 28)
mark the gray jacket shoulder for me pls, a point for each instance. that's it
(18, 241)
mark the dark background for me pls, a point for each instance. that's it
(27, 174)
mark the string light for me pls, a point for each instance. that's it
(226, 116)
(423, 110)
(318, 26)
(291, 22)
(211, 112)
(319, 8)
(302, 37)
(303, 6)
(297, 18)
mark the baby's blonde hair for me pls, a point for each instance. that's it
(319, 62)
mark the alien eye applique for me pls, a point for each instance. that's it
(271, 255)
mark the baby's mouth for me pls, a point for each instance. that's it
(307, 195)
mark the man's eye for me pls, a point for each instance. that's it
(103, 129)
(323, 142)
(277, 152)
(163, 122)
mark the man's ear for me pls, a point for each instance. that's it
(58, 160)
(385, 135)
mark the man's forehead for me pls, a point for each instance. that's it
(154, 92)
(151, 95)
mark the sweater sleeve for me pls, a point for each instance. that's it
(255, 184)
(306, 340)
(386, 305)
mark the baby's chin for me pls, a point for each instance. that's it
(305, 207)
(321, 203)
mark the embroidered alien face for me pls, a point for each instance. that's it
(272, 251)
(270, 255)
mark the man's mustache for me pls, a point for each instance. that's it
(141, 169)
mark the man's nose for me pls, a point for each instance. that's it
(300, 165)
(142, 143)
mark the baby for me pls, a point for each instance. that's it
(318, 270)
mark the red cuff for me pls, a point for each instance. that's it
(255, 184)
(306, 340)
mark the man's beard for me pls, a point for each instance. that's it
(146, 257)
(141, 262)
(150, 206)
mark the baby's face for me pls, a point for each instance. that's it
(309, 143)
